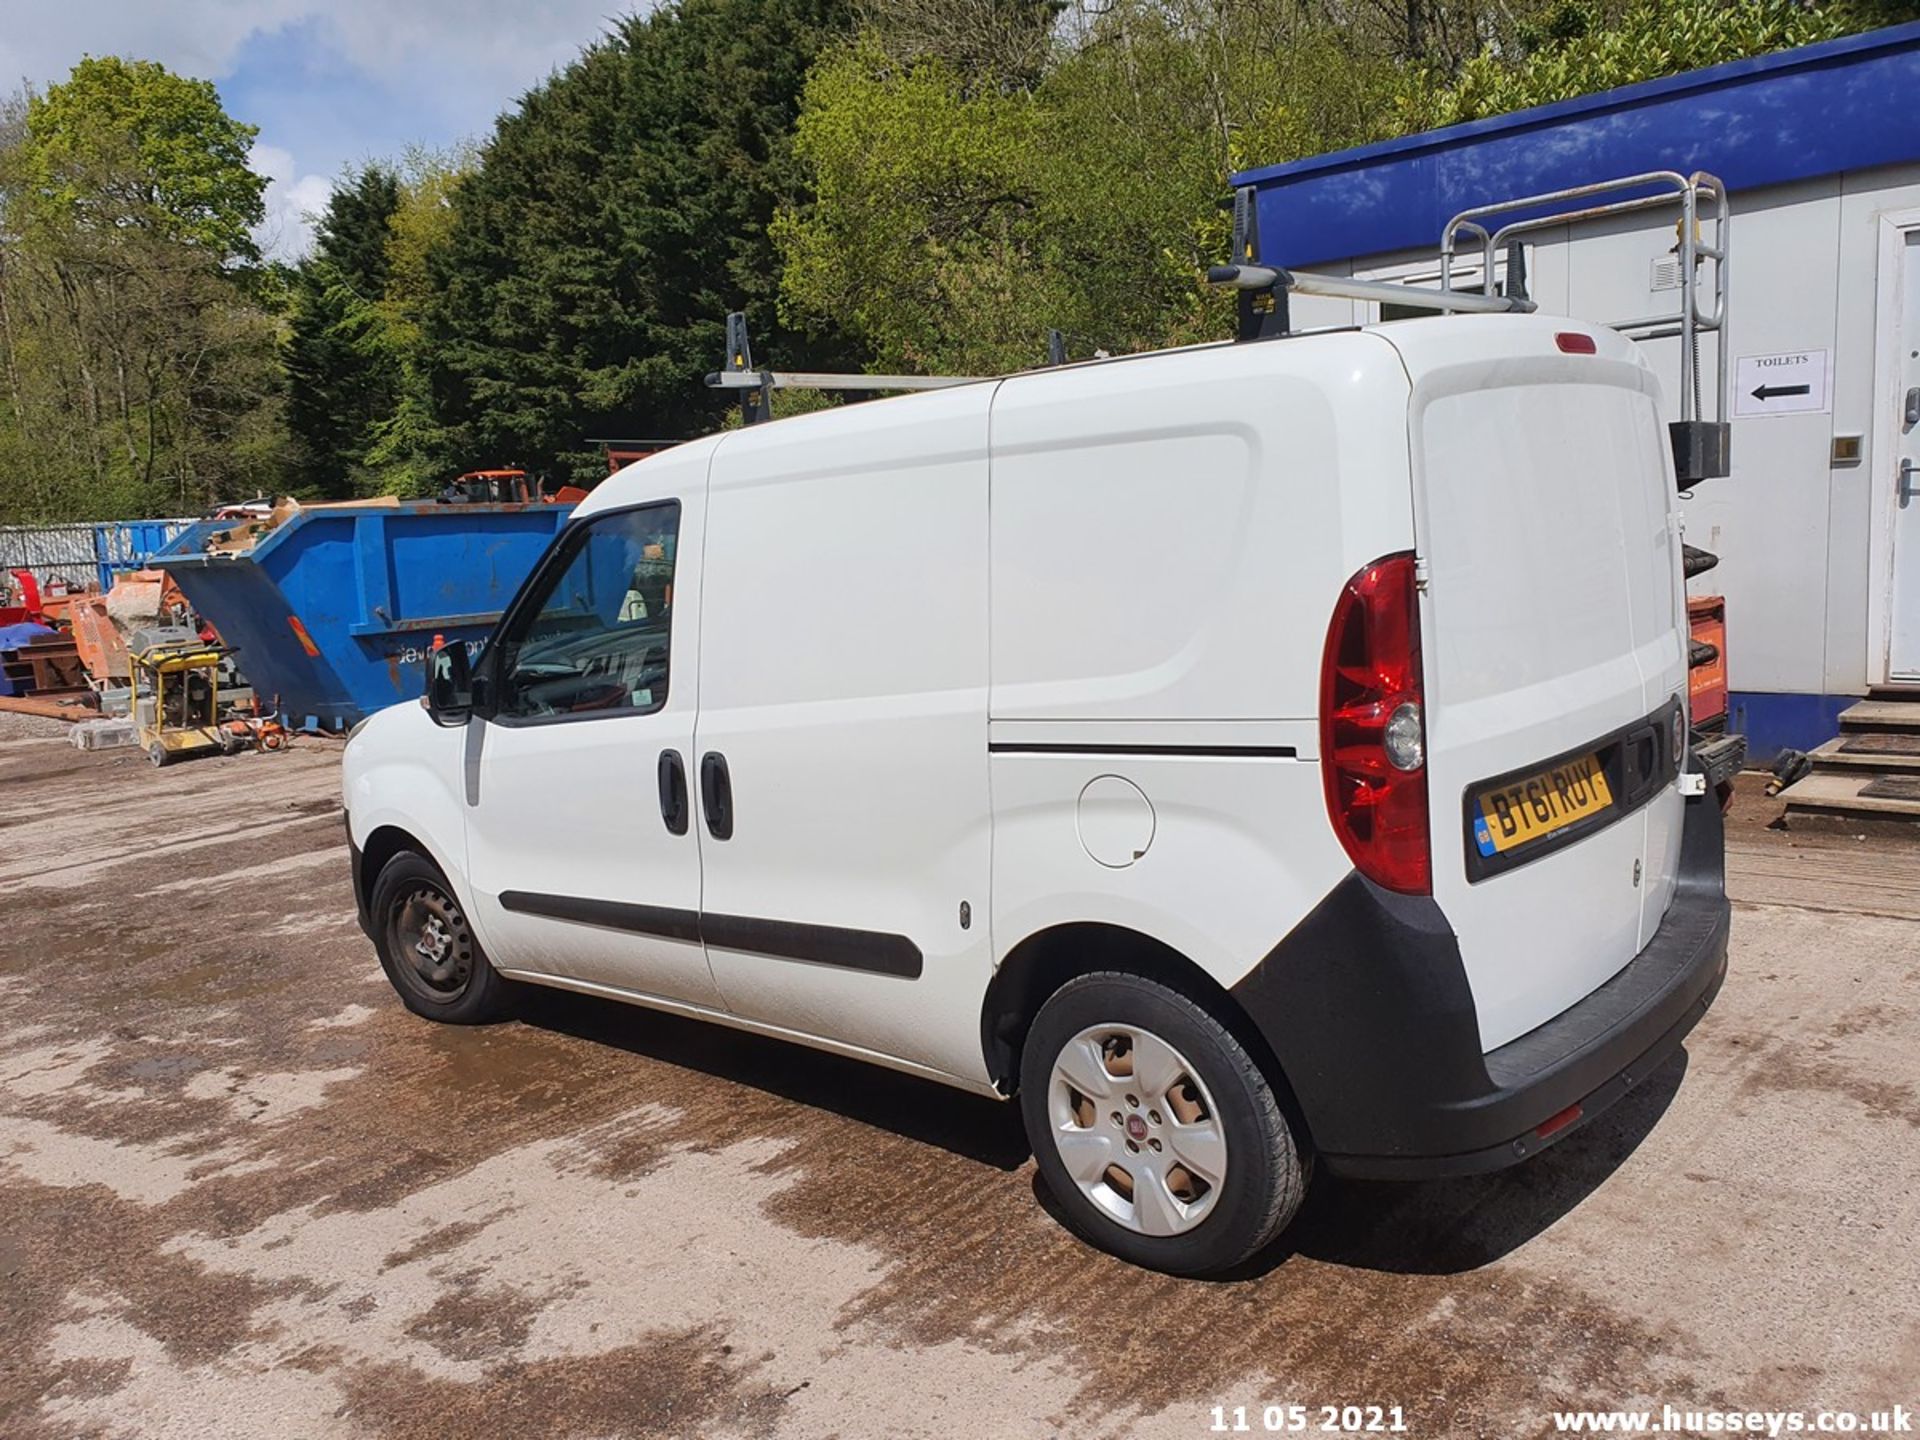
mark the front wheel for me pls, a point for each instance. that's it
(1154, 1129)
(428, 949)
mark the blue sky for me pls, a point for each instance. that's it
(329, 85)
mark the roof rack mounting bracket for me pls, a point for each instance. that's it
(1264, 312)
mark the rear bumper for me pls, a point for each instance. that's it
(1366, 1006)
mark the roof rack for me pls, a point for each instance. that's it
(1701, 445)
(757, 386)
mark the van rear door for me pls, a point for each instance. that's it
(1554, 651)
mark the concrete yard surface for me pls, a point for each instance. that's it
(243, 1192)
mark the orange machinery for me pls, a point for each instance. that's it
(1707, 678)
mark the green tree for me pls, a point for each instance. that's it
(617, 215)
(966, 187)
(409, 452)
(342, 373)
(1580, 48)
(128, 143)
(137, 358)
(958, 213)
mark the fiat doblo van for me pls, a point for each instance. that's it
(1250, 757)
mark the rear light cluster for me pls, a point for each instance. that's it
(1373, 727)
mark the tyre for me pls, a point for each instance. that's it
(427, 947)
(1154, 1129)
(158, 755)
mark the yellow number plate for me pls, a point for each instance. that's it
(1511, 815)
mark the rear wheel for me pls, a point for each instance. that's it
(1154, 1129)
(428, 949)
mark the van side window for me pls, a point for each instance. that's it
(595, 634)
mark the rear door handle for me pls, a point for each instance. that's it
(1906, 490)
(673, 791)
(716, 794)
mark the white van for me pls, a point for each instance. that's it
(1252, 756)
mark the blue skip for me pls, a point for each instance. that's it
(334, 612)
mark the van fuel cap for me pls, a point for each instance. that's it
(1116, 821)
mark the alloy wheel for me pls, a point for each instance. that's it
(1136, 1129)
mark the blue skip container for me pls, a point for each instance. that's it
(334, 612)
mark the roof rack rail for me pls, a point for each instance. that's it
(757, 386)
(1307, 282)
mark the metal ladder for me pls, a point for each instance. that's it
(1701, 445)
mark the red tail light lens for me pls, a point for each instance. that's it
(1373, 727)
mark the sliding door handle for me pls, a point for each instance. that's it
(673, 791)
(716, 795)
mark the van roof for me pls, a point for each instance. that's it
(1482, 326)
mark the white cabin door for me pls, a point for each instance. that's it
(1904, 630)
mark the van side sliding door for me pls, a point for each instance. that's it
(842, 735)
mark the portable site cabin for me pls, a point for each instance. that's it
(1818, 526)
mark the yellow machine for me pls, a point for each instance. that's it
(176, 698)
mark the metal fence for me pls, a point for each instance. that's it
(79, 553)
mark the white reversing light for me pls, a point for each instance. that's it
(1406, 748)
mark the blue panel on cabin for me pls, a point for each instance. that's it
(1843, 105)
(1775, 722)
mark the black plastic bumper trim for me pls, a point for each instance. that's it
(1366, 1005)
(1255, 752)
(607, 914)
(361, 908)
(868, 950)
(1496, 1157)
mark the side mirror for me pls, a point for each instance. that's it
(450, 685)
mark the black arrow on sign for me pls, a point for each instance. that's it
(1768, 392)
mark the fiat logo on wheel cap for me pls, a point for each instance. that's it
(1136, 1128)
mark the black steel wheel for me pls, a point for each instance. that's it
(428, 948)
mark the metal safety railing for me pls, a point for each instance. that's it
(1701, 443)
(1692, 319)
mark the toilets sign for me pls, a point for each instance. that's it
(1796, 382)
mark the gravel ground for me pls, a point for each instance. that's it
(242, 1192)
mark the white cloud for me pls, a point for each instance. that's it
(499, 47)
(294, 202)
(44, 38)
(494, 48)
